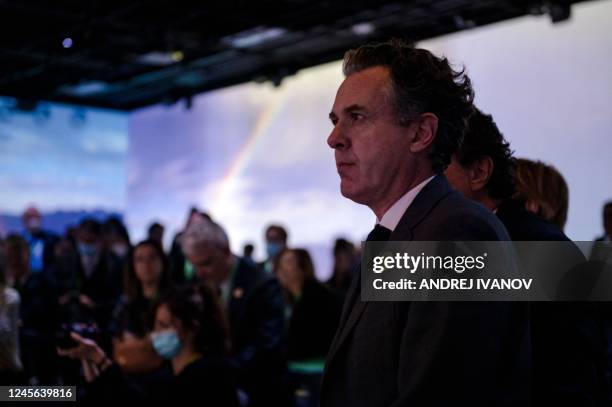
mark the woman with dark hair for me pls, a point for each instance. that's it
(116, 237)
(312, 309)
(345, 260)
(313, 312)
(190, 332)
(146, 279)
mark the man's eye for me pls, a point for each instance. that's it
(356, 116)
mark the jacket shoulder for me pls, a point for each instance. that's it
(456, 217)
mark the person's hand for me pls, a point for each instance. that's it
(90, 370)
(93, 359)
(85, 349)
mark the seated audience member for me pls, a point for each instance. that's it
(566, 345)
(116, 238)
(276, 240)
(146, 280)
(11, 369)
(344, 264)
(66, 265)
(190, 332)
(156, 233)
(37, 313)
(41, 242)
(312, 311)
(543, 191)
(254, 304)
(98, 283)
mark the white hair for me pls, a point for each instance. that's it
(204, 231)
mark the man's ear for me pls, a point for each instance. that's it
(425, 130)
(480, 173)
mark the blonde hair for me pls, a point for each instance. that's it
(544, 186)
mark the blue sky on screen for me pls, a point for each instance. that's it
(68, 158)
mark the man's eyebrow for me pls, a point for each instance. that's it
(348, 109)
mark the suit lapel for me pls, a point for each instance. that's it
(353, 308)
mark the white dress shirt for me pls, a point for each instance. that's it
(393, 215)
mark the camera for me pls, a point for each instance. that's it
(86, 330)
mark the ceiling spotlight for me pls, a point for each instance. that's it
(67, 43)
(177, 56)
(363, 28)
(254, 37)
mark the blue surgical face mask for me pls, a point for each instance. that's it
(273, 249)
(166, 343)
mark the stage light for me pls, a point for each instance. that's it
(67, 43)
(363, 28)
(177, 56)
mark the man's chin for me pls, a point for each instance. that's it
(352, 194)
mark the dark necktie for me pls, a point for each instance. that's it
(379, 234)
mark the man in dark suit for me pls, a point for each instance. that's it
(98, 281)
(566, 343)
(483, 170)
(398, 117)
(254, 306)
(42, 242)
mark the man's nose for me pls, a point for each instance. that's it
(337, 140)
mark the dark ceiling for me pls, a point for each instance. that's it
(129, 54)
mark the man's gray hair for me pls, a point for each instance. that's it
(204, 232)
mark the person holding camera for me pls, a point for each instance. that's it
(190, 332)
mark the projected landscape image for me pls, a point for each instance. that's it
(61, 158)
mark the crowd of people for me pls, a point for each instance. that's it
(92, 306)
(135, 322)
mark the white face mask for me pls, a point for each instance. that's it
(120, 249)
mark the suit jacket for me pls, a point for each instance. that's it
(523, 225)
(314, 320)
(431, 353)
(256, 318)
(569, 351)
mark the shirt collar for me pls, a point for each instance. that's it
(393, 215)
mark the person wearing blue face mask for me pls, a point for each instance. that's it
(276, 241)
(97, 281)
(190, 332)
